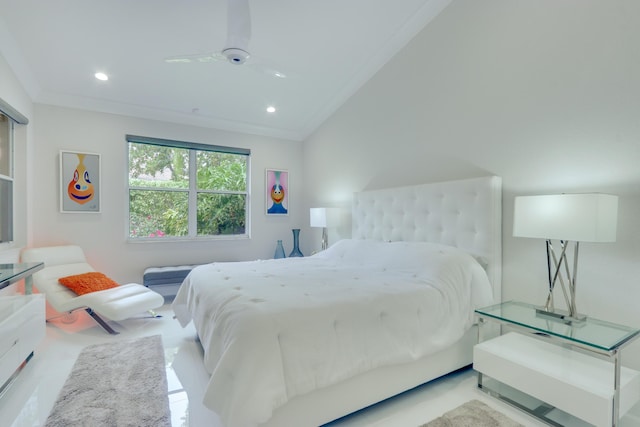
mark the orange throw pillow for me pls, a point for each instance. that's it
(87, 282)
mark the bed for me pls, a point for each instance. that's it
(308, 340)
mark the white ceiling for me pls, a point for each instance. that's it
(328, 49)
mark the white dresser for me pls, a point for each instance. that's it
(22, 328)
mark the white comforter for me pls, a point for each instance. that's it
(275, 329)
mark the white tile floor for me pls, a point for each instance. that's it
(30, 398)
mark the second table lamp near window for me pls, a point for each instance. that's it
(323, 217)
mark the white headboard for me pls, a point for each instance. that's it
(465, 213)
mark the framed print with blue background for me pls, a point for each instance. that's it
(277, 192)
(79, 182)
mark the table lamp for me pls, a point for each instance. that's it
(318, 218)
(565, 217)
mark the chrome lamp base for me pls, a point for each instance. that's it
(554, 267)
(325, 238)
(560, 315)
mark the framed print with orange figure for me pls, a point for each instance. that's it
(79, 182)
(277, 192)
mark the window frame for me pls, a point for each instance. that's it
(192, 190)
(7, 229)
(7, 223)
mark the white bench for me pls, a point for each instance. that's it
(166, 280)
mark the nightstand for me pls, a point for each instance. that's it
(22, 321)
(542, 365)
(22, 327)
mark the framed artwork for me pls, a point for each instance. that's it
(79, 182)
(277, 192)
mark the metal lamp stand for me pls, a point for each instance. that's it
(325, 238)
(554, 267)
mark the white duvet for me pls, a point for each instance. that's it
(275, 329)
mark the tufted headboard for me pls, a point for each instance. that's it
(465, 213)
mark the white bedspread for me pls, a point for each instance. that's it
(275, 329)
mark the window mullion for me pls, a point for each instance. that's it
(193, 194)
(239, 193)
(168, 190)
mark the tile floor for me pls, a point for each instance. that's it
(30, 398)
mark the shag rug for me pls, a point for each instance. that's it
(473, 414)
(117, 384)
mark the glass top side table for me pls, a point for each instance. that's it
(12, 273)
(592, 333)
(596, 337)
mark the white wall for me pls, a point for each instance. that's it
(545, 94)
(103, 235)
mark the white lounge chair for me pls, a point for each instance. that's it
(119, 303)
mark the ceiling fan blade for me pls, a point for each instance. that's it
(238, 25)
(237, 44)
(196, 57)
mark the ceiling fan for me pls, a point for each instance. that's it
(236, 50)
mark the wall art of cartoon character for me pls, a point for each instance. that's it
(277, 194)
(80, 188)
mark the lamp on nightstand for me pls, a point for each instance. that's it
(565, 217)
(318, 218)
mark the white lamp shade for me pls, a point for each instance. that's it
(574, 217)
(318, 217)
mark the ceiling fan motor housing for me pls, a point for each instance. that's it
(236, 56)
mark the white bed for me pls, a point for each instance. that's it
(306, 341)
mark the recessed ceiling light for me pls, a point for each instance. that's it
(101, 76)
(271, 109)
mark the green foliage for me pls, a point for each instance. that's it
(158, 213)
(146, 159)
(159, 203)
(221, 214)
(220, 171)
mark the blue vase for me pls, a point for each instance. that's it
(279, 250)
(296, 249)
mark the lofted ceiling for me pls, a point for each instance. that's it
(327, 49)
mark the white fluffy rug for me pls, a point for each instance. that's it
(473, 414)
(117, 384)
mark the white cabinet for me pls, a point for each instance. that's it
(22, 328)
(577, 383)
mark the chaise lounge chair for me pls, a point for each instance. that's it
(118, 303)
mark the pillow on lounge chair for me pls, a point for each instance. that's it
(87, 282)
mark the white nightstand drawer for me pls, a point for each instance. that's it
(22, 327)
(579, 384)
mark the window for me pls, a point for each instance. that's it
(181, 190)
(6, 179)
(9, 116)
(6, 146)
